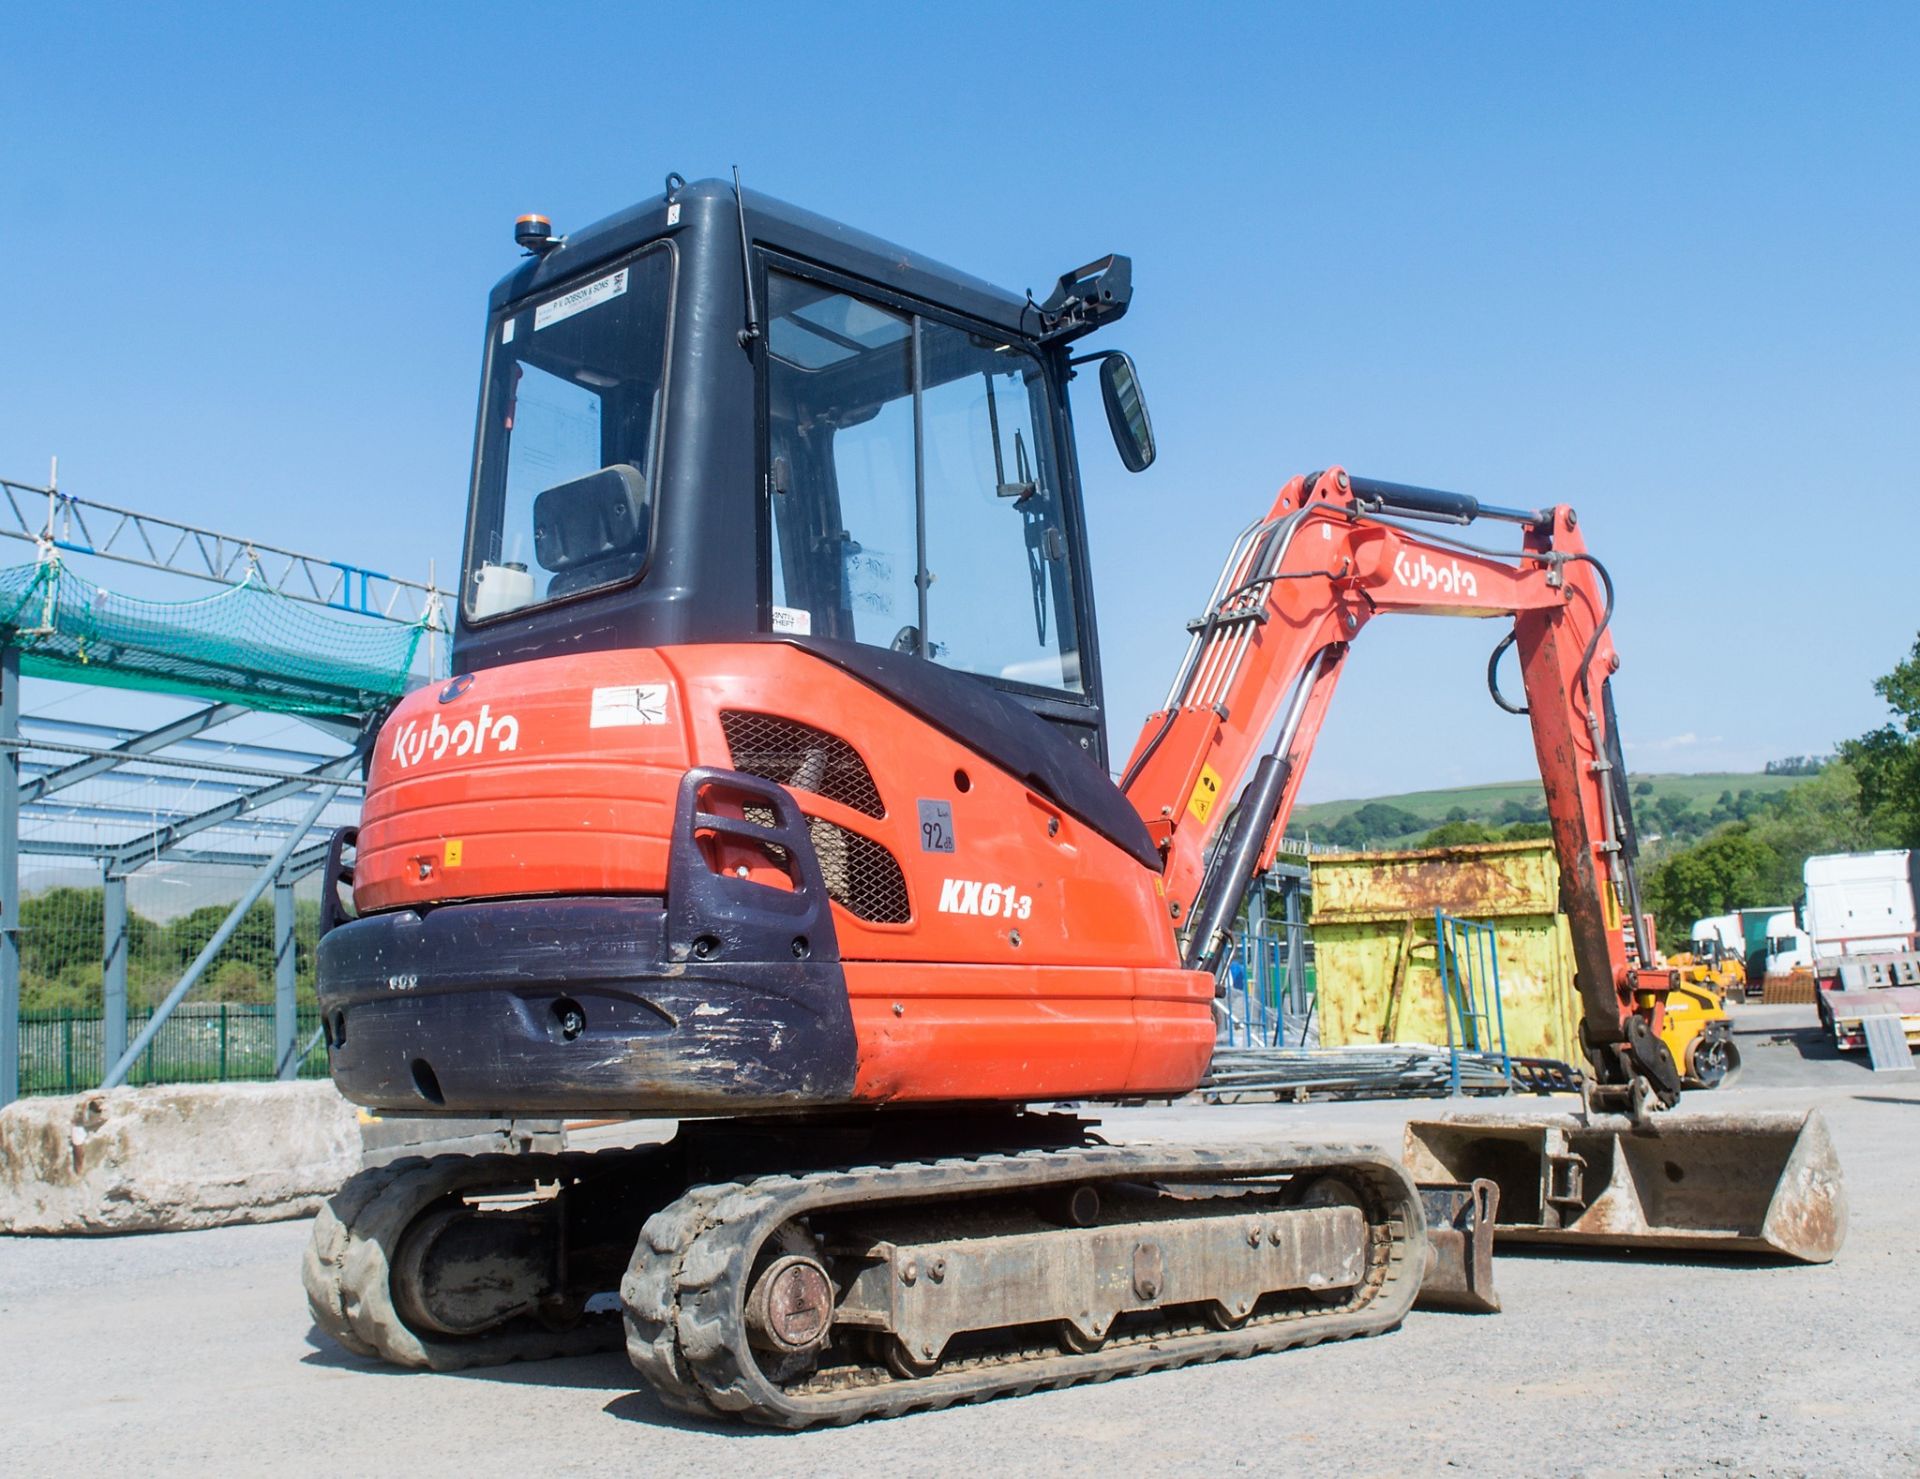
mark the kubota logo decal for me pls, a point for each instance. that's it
(994, 900)
(414, 741)
(1429, 576)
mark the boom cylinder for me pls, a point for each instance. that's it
(1434, 503)
(1226, 888)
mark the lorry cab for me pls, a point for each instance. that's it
(1715, 936)
(1788, 947)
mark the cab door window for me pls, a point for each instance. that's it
(913, 488)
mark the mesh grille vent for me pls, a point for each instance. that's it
(862, 877)
(801, 758)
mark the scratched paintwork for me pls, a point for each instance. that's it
(1362, 903)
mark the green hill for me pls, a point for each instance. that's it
(1671, 807)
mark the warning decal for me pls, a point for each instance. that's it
(639, 703)
(1206, 791)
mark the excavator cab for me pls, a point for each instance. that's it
(719, 418)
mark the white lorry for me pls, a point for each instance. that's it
(1717, 933)
(1860, 912)
(1766, 942)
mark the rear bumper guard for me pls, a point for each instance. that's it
(725, 996)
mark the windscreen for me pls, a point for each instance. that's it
(569, 444)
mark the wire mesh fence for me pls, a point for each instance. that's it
(212, 1042)
(1261, 1001)
(171, 912)
(127, 871)
(224, 1031)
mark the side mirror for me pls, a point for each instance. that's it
(1126, 411)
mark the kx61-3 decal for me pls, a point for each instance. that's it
(993, 900)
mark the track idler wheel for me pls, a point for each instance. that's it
(788, 1311)
(790, 1307)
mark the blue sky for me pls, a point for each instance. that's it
(1658, 262)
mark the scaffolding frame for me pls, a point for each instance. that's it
(43, 778)
(52, 520)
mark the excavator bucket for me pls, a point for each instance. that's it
(1697, 1183)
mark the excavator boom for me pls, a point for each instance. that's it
(1334, 552)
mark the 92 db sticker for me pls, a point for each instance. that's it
(936, 826)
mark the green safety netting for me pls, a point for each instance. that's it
(246, 644)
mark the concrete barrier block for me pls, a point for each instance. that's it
(173, 1158)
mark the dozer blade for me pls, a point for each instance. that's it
(1460, 1224)
(1699, 1183)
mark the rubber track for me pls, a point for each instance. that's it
(684, 1294)
(347, 1268)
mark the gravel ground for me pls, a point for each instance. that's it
(192, 1352)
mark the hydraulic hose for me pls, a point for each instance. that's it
(1606, 616)
(1493, 675)
(1586, 657)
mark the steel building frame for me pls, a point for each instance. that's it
(39, 773)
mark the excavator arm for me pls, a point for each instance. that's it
(1245, 708)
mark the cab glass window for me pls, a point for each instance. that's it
(569, 446)
(914, 488)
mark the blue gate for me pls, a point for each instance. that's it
(1470, 988)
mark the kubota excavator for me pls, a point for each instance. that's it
(772, 796)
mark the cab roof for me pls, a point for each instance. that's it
(707, 206)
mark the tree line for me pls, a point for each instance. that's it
(1673, 819)
(1381, 823)
(1867, 796)
(62, 932)
(1742, 849)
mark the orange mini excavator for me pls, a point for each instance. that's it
(772, 795)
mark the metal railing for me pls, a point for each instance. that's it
(1470, 987)
(1261, 1009)
(214, 1042)
(47, 517)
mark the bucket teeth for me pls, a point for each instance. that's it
(1700, 1183)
